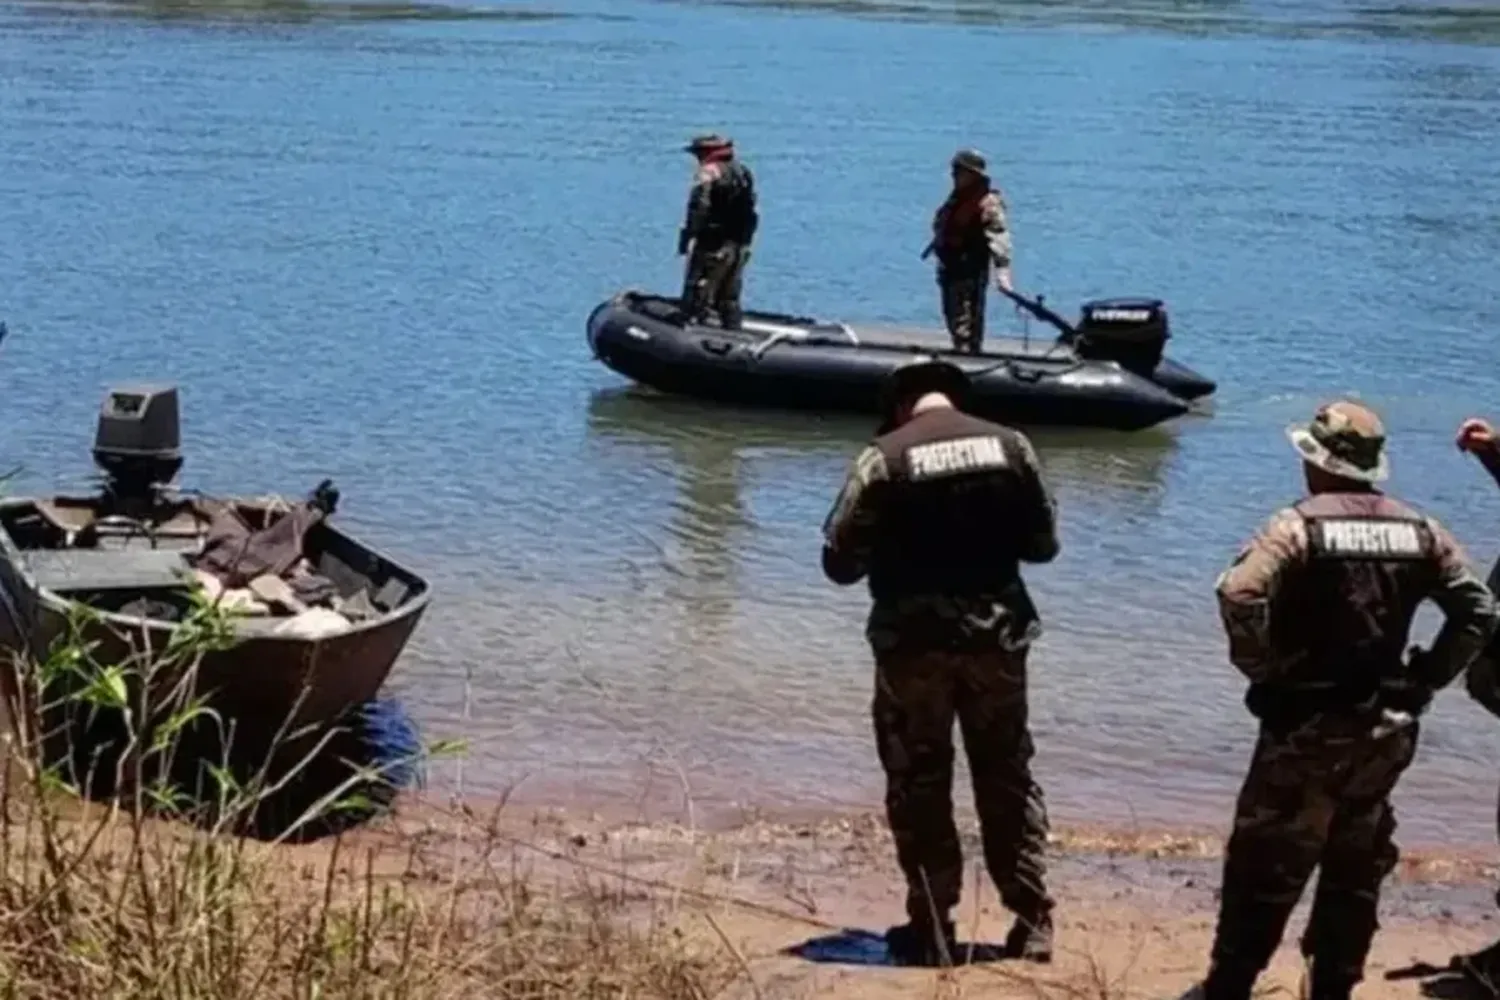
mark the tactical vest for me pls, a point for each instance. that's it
(960, 240)
(732, 217)
(945, 528)
(1344, 617)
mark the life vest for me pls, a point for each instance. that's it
(958, 228)
(732, 216)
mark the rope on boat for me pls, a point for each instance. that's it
(786, 333)
(1020, 374)
(782, 335)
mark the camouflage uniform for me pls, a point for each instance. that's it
(1482, 679)
(969, 230)
(938, 513)
(1317, 609)
(720, 225)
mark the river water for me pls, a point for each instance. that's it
(363, 240)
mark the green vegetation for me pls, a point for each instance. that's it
(127, 899)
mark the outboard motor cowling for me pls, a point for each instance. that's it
(1133, 332)
(139, 438)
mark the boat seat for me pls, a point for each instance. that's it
(183, 523)
(66, 515)
(74, 570)
(74, 516)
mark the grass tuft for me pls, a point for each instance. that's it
(139, 897)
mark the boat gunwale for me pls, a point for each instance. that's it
(914, 348)
(57, 603)
(1071, 360)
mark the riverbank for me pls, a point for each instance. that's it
(492, 898)
(620, 578)
(796, 905)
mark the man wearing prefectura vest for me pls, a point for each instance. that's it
(1318, 609)
(939, 511)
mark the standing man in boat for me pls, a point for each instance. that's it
(939, 511)
(969, 231)
(1317, 609)
(717, 233)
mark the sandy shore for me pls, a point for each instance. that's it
(800, 901)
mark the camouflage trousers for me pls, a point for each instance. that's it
(963, 293)
(917, 695)
(1315, 798)
(715, 280)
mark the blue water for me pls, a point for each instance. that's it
(363, 241)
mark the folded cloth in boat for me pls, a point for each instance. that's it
(357, 608)
(242, 601)
(311, 587)
(314, 623)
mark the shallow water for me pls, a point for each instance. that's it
(363, 240)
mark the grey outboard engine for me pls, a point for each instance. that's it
(138, 441)
(1133, 332)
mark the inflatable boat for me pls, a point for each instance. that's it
(1108, 371)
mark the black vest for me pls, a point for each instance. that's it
(732, 217)
(1345, 615)
(944, 527)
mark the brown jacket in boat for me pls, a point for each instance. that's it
(236, 554)
(939, 514)
(1318, 608)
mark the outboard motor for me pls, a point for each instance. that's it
(138, 441)
(1133, 332)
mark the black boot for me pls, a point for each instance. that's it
(1030, 939)
(920, 944)
(1481, 967)
(1225, 982)
(1341, 990)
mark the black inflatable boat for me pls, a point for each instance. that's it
(1107, 372)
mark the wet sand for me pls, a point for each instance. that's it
(800, 902)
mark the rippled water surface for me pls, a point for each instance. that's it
(363, 239)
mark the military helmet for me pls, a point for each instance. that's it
(928, 373)
(1345, 439)
(708, 143)
(971, 160)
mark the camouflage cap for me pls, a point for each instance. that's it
(971, 160)
(708, 142)
(1345, 439)
(928, 373)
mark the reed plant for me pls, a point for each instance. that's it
(158, 889)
